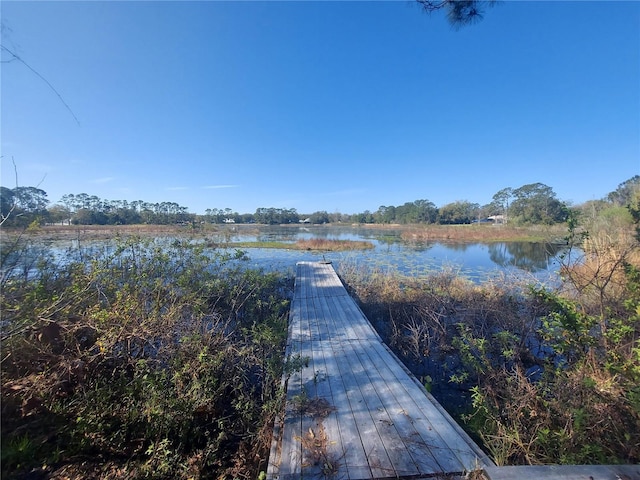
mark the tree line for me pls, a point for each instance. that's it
(534, 203)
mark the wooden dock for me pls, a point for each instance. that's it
(353, 411)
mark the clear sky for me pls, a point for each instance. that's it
(337, 106)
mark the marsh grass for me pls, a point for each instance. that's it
(314, 244)
(417, 233)
(550, 376)
(331, 245)
(485, 233)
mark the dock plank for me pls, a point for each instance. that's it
(353, 411)
(355, 458)
(327, 426)
(393, 423)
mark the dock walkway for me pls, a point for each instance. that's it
(353, 411)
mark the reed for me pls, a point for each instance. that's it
(481, 233)
(550, 376)
(314, 244)
(331, 245)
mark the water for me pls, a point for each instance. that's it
(476, 261)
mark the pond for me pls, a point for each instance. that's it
(476, 261)
(538, 262)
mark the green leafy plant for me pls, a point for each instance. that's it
(162, 355)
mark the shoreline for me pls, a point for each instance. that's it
(411, 233)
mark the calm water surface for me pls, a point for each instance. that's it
(477, 261)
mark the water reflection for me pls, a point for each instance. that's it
(532, 257)
(422, 247)
(476, 261)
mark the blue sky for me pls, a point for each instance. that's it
(337, 106)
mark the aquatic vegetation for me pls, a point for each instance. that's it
(550, 375)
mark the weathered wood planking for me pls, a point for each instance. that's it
(353, 411)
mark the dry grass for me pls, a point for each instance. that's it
(95, 232)
(598, 276)
(329, 245)
(315, 441)
(316, 244)
(482, 233)
(492, 337)
(418, 316)
(417, 233)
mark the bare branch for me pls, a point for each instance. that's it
(4, 218)
(16, 57)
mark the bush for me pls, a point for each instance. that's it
(153, 359)
(552, 376)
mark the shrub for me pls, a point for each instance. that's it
(155, 359)
(553, 375)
